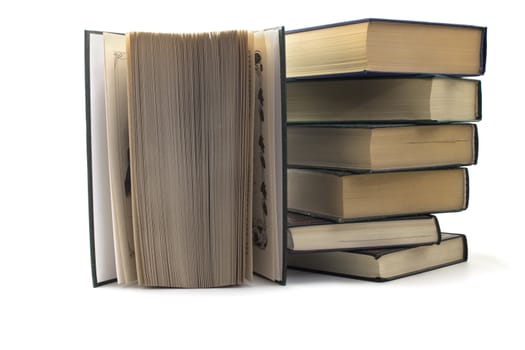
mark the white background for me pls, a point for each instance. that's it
(46, 296)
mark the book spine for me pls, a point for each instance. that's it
(467, 189)
(465, 247)
(479, 113)
(475, 141)
(87, 35)
(483, 52)
(282, 52)
(438, 229)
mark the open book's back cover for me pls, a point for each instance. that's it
(102, 249)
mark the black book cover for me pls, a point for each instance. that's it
(284, 153)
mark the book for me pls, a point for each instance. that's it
(346, 196)
(385, 46)
(311, 234)
(385, 264)
(185, 157)
(382, 147)
(391, 99)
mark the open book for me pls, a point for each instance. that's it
(185, 157)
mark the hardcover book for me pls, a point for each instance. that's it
(384, 47)
(392, 99)
(185, 157)
(382, 147)
(385, 264)
(311, 234)
(345, 196)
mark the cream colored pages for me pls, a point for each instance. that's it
(247, 237)
(267, 192)
(191, 128)
(118, 157)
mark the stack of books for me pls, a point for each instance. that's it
(379, 133)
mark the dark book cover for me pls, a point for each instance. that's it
(282, 47)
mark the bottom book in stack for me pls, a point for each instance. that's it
(385, 264)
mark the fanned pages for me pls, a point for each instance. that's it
(191, 161)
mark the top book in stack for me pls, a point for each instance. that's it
(383, 47)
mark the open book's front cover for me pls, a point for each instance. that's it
(269, 192)
(284, 157)
(102, 248)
